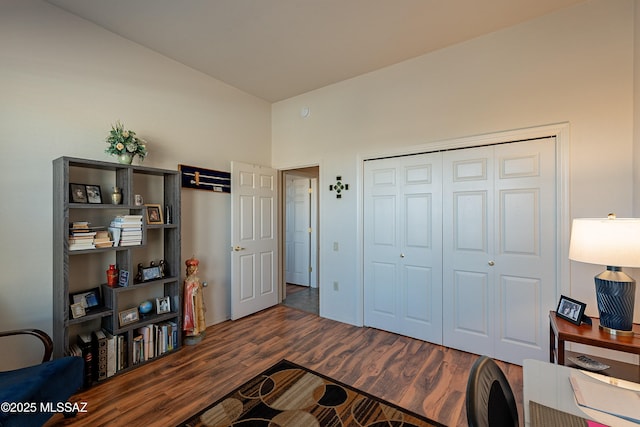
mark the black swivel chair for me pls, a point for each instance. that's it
(490, 401)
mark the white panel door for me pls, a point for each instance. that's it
(313, 277)
(254, 258)
(402, 241)
(298, 231)
(288, 229)
(468, 248)
(525, 244)
(499, 245)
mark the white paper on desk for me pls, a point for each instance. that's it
(605, 397)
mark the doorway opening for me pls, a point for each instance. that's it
(300, 239)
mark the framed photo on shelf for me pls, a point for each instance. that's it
(77, 310)
(78, 193)
(570, 309)
(128, 316)
(123, 278)
(154, 214)
(93, 194)
(87, 299)
(163, 305)
(151, 273)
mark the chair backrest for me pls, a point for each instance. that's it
(490, 401)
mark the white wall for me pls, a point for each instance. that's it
(636, 108)
(572, 66)
(63, 81)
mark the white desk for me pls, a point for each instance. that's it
(548, 384)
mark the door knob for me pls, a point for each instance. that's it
(491, 263)
(238, 248)
(401, 255)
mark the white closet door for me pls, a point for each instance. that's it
(525, 261)
(402, 239)
(298, 226)
(289, 250)
(499, 265)
(468, 247)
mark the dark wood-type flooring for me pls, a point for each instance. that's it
(425, 378)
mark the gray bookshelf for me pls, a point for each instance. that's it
(78, 271)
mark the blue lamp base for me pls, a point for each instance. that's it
(615, 294)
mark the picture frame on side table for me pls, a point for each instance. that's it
(570, 309)
(126, 317)
(163, 305)
(77, 193)
(93, 194)
(154, 214)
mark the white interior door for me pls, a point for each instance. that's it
(298, 231)
(254, 260)
(499, 268)
(402, 246)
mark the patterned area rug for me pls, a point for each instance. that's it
(288, 395)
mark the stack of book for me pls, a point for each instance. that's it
(80, 236)
(126, 230)
(102, 239)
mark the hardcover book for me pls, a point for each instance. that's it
(84, 342)
(100, 350)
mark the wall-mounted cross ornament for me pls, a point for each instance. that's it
(339, 187)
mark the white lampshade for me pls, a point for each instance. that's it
(609, 242)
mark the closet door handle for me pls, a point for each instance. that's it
(401, 255)
(492, 263)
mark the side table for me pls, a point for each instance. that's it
(561, 331)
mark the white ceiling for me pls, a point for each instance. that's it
(276, 49)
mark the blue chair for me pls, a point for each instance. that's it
(49, 383)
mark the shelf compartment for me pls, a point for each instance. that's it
(105, 206)
(140, 285)
(93, 314)
(108, 249)
(618, 369)
(149, 319)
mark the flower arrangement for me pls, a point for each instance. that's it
(125, 143)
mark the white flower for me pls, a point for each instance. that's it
(123, 141)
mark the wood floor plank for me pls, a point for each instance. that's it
(425, 378)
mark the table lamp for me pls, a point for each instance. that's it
(615, 243)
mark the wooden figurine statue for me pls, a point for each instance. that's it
(194, 321)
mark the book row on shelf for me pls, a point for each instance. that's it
(105, 354)
(154, 340)
(123, 230)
